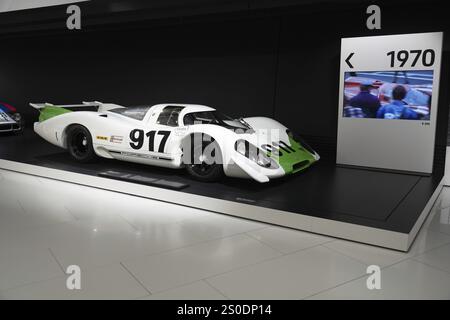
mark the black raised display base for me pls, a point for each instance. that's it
(381, 200)
(142, 179)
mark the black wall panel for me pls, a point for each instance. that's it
(228, 65)
(308, 79)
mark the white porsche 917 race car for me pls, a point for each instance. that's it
(198, 138)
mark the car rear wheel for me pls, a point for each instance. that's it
(206, 166)
(79, 144)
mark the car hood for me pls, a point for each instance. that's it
(273, 138)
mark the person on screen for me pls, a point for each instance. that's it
(368, 103)
(397, 109)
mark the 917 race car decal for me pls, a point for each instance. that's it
(137, 137)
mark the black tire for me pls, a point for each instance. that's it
(79, 144)
(203, 171)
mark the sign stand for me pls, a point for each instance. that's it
(388, 101)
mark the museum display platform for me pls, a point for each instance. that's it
(379, 208)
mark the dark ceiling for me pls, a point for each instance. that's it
(121, 13)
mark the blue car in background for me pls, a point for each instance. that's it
(10, 119)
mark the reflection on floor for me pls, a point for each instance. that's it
(132, 248)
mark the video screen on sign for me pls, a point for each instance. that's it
(402, 95)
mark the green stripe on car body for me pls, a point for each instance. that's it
(51, 112)
(294, 161)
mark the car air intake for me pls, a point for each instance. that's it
(300, 165)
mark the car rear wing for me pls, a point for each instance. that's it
(84, 104)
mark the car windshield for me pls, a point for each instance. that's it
(214, 117)
(169, 116)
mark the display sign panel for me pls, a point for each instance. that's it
(389, 87)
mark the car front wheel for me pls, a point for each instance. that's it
(206, 166)
(79, 144)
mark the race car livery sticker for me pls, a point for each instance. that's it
(180, 131)
(102, 138)
(139, 155)
(116, 139)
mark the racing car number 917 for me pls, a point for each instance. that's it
(137, 137)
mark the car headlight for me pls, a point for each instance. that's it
(16, 117)
(255, 154)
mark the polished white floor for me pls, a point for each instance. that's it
(133, 248)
